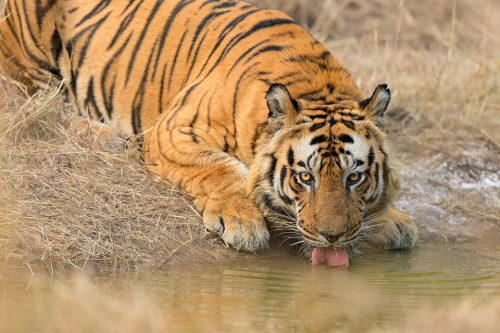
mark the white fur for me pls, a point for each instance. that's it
(304, 149)
(359, 150)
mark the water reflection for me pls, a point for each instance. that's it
(275, 293)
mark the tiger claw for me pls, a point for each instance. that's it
(238, 222)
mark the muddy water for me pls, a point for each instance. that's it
(277, 292)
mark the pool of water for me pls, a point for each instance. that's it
(275, 292)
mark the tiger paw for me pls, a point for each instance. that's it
(397, 232)
(236, 219)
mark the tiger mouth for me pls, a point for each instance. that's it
(353, 237)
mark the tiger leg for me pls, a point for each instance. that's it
(394, 230)
(192, 159)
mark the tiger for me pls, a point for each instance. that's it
(239, 106)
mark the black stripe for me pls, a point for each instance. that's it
(226, 144)
(99, 7)
(225, 5)
(195, 118)
(318, 139)
(272, 169)
(286, 76)
(108, 97)
(56, 48)
(174, 62)
(316, 60)
(162, 89)
(328, 154)
(269, 204)
(377, 182)
(193, 62)
(235, 98)
(139, 97)
(40, 62)
(258, 26)
(349, 124)
(312, 95)
(141, 38)
(281, 192)
(297, 81)
(206, 20)
(371, 156)
(256, 136)
(309, 159)
(246, 53)
(207, 2)
(346, 138)
(124, 24)
(266, 49)
(291, 159)
(130, 2)
(231, 25)
(85, 47)
(90, 102)
(42, 10)
(241, 36)
(316, 126)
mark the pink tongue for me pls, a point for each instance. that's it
(330, 256)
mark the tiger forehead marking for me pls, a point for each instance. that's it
(239, 106)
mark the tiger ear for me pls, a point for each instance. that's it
(376, 105)
(282, 107)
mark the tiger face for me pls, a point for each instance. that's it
(325, 168)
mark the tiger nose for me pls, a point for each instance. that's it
(332, 238)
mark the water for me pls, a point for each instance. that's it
(276, 292)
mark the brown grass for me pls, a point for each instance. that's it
(71, 200)
(74, 201)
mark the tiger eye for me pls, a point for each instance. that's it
(353, 177)
(305, 176)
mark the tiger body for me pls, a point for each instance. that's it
(235, 103)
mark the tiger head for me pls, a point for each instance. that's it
(324, 167)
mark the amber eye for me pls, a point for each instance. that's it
(354, 178)
(305, 177)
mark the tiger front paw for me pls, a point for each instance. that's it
(236, 219)
(397, 232)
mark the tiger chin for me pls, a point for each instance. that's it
(239, 106)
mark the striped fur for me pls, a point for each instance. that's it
(235, 101)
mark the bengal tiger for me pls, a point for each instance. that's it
(240, 106)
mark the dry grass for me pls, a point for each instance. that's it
(72, 200)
